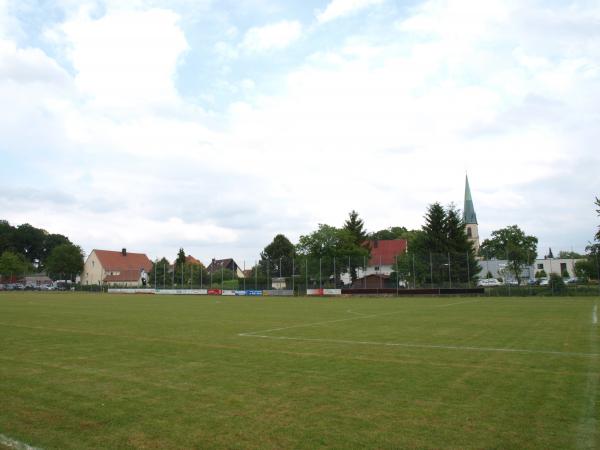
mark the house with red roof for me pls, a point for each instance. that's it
(112, 268)
(382, 262)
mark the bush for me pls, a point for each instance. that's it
(557, 284)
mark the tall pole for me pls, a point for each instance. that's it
(431, 268)
(349, 271)
(414, 273)
(364, 272)
(182, 286)
(397, 276)
(320, 275)
(468, 272)
(255, 275)
(379, 273)
(293, 271)
(244, 275)
(164, 275)
(222, 274)
(334, 274)
(449, 271)
(306, 272)
(155, 267)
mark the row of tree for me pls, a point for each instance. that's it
(27, 249)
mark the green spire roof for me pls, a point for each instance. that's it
(468, 211)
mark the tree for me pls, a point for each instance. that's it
(329, 247)
(276, 258)
(434, 229)
(180, 257)
(441, 251)
(29, 241)
(13, 264)
(65, 259)
(356, 227)
(512, 244)
(570, 255)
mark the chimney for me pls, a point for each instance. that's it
(124, 252)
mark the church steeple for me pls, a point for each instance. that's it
(469, 211)
(470, 218)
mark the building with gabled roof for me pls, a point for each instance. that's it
(228, 263)
(116, 268)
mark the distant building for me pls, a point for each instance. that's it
(116, 268)
(470, 218)
(217, 265)
(558, 266)
(381, 264)
(37, 280)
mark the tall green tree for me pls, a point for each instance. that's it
(440, 252)
(356, 227)
(328, 247)
(434, 229)
(13, 264)
(65, 260)
(180, 257)
(511, 243)
(276, 258)
(29, 241)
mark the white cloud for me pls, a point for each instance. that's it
(340, 8)
(275, 36)
(126, 59)
(382, 128)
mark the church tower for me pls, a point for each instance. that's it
(470, 218)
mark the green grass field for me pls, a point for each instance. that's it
(84, 371)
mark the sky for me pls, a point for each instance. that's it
(215, 125)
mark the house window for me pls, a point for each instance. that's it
(469, 234)
(540, 266)
(377, 268)
(563, 267)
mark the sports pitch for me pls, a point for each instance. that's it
(84, 371)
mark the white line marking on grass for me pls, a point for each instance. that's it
(429, 346)
(363, 316)
(595, 315)
(13, 443)
(349, 311)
